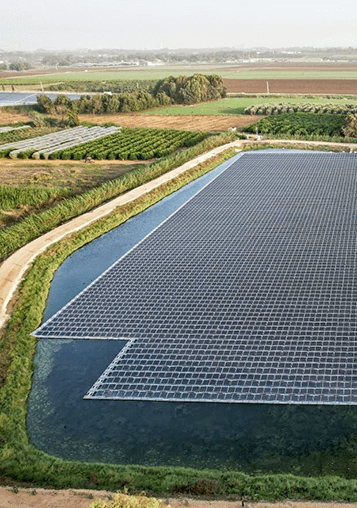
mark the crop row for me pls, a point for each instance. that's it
(301, 124)
(9, 129)
(130, 143)
(21, 134)
(43, 146)
(287, 107)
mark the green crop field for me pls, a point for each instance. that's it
(237, 105)
(147, 73)
(135, 74)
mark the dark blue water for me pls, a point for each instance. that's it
(300, 439)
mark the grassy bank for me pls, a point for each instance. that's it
(22, 461)
(35, 225)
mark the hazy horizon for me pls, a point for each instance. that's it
(27, 25)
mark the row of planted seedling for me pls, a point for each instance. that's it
(134, 144)
(307, 107)
(43, 146)
(102, 143)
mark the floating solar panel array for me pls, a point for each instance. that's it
(246, 294)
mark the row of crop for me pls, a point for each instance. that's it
(301, 124)
(43, 146)
(307, 107)
(133, 144)
(18, 235)
(11, 128)
(22, 134)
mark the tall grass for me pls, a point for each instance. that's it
(35, 225)
(13, 198)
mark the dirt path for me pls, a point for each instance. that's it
(45, 498)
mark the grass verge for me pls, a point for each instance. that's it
(22, 461)
(35, 225)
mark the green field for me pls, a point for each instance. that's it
(135, 74)
(161, 72)
(236, 105)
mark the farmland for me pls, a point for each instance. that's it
(132, 144)
(301, 124)
(101, 143)
(237, 105)
(38, 195)
(201, 123)
(293, 84)
(241, 72)
(27, 223)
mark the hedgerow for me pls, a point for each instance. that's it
(172, 90)
(307, 107)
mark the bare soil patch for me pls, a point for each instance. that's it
(12, 116)
(47, 498)
(313, 86)
(204, 123)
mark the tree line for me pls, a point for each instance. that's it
(171, 90)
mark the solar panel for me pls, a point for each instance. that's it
(245, 294)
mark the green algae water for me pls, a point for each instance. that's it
(308, 440)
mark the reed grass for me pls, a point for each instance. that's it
(35, 225)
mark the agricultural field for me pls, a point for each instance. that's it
(199, 123)
(44, 146)
(101, 143)
(133, 74)
(20, 135)
(238, 105)
(90, 185)
(294, 85)
(132, 144)
(227, 71)
(301, 124)
(306, 107)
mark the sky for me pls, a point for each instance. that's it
(155, 24)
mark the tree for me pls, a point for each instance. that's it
(350, 127)
(45, 104)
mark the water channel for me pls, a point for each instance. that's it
(251, 437)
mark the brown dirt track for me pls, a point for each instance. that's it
(181, 122)
(84, 499)
(313, 86)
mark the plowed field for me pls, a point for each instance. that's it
(189, 123)
(313, 86)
